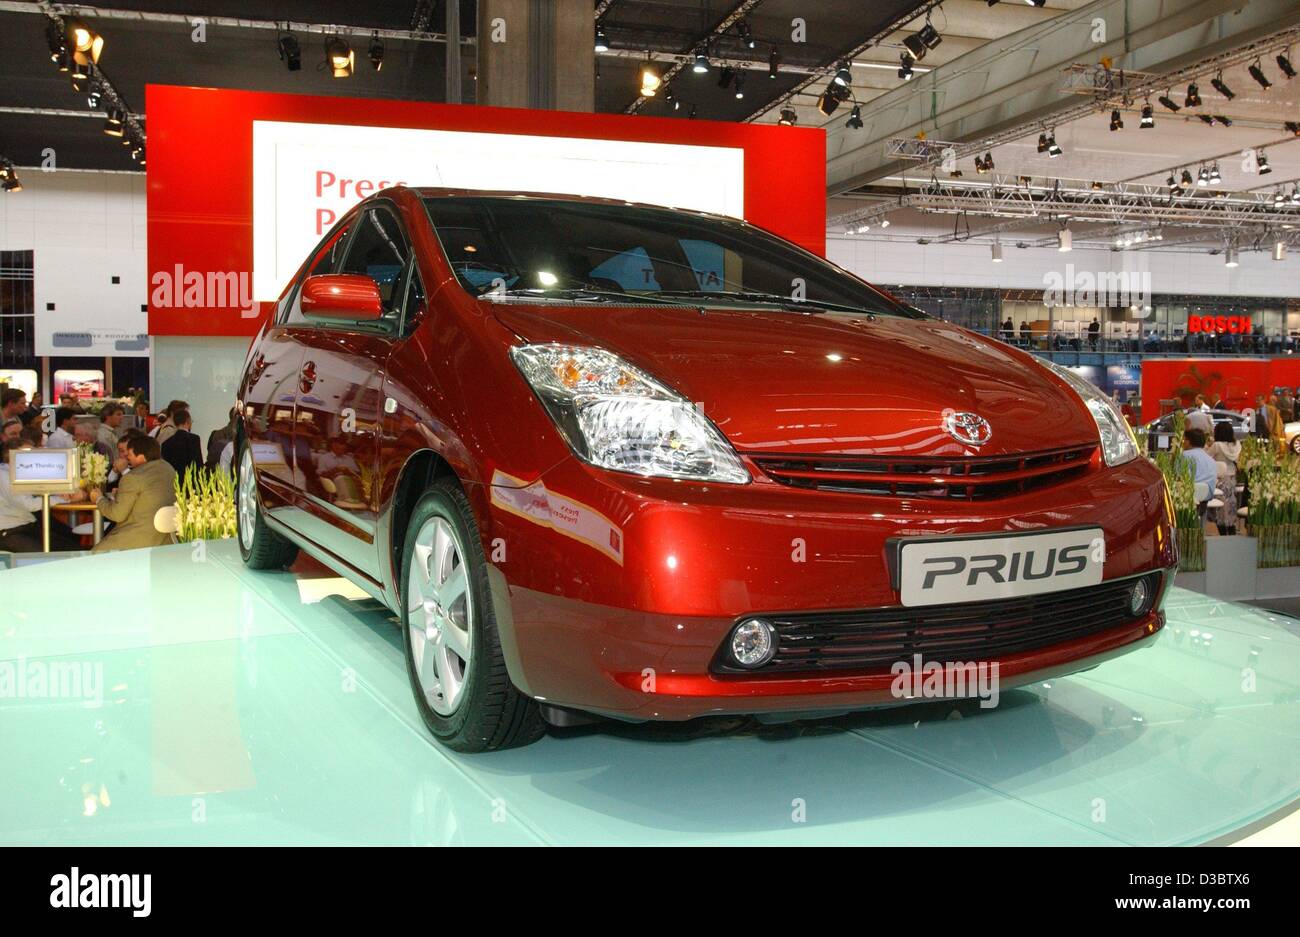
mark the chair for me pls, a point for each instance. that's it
(164, 519)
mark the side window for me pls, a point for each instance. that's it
(326, 260)
(378, 249)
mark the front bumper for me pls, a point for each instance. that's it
(614, 593)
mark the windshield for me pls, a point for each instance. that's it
(581, 250)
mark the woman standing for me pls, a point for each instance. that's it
(1225, 449)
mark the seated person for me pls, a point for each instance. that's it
(1204, 467)
(150, 485)
(65, 425)
(20, 526)
(13, 428)
(182, 449)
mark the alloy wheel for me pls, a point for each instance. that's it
(439, 609)
(247, 500)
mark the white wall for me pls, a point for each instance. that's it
(85, 228)
(904, 262)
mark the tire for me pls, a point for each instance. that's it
(1295, 443)
(449, 630)
(259, 545)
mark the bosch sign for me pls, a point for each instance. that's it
(1237, 325)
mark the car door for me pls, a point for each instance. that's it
(340, 400)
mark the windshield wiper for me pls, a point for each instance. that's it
(595, 293)
(787, 302)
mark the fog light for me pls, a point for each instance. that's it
(753, 643)
(1139, 602)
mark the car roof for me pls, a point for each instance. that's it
(441, 192)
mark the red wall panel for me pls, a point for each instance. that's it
(1236, 380)
(200, 175)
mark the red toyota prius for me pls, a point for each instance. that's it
(616, 459)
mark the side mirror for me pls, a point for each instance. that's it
(341, 296)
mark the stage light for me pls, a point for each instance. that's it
(855, 118)
(884, 222)
(1279, 250)
(843, 77)
(376, 52)
(1230, 257)
(602, 41)
(1261, 162)
(1168, 102)
(1206, 119)
(694, 110)
(1064, 241)
(1284, 63)
(905, 67)
(701, 62)
(789, 117)
(1042, 142)
(1221, 119)
(1292, 127)
(11, 183)
(1036, 3)
(1096, 185)
(114, 123)
(746, 34)
(773, 62)
(1116, 121)
(930, 36)
(650, 80)
(1203, 177)
(1187, 179)
(739, 86)
(1053, 150)
(996, 250)
(1295, 194)
(979, 165)
(290, 52)
(1215, 178)
(82, 77)
(915, 46)
(726, 76)
(1278, 199)
(1172, 181)
(827, 102)
(1217, 83)
(1193, 98)
(86, 44)
(988, 162)
(93, 99)
(339, 57)
(1148, 118)
(1258, 74)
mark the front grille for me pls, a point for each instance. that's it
(977, 478)
(873, 639)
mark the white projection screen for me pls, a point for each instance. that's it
(305, 176)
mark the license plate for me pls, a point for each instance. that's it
(943, 570)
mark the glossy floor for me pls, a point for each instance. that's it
(242, 707)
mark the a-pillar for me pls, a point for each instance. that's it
(536, 54)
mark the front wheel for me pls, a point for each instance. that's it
(1295, 443)
(453, 649)
(259, 545)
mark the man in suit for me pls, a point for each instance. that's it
(182, 449)
(148, 486)
(65, 425)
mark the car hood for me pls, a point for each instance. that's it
(792, 382)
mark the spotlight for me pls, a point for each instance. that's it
(726, 76)
(1279, 250)
(915, 46)
(1203, 177)
(827, 102)
(1215, 178)
(739, 85)
(1116, 121)
(1258, 74)
(746, 34)
(1230, 257)
(979, 165)
(64, 60)
(929, 35)
(1221, 119)
(1295, 194)
(1096, 185)
(1053, 150)
(1065, 240)
(86, 44)
(855, 118)
(290, 52)
(93, 99)
(114, 122)
(1206, 119)
(602, 41)
(82, 77)
(339, 57)
(1217, 83)
(701, 65)
(884, 222)
(1034, 3)
(773, 62)
(789, 118)
(988, 161)
(694, 110)
(1172, 182)
(1168, 102)
(905, 67)
(11, 183)
(376, 52)
(1278, 198)
(650, 82)
(79, 71)
(1261, 162)
(996, 251)
(1284, 63)
(1042, 142)
(1148, 118)
(1193, 96)
(843, 77)
(1293, 127)
(1186, 180)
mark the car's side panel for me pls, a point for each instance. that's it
(269, 394)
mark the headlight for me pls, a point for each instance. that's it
(1117, 443)
(618, 417)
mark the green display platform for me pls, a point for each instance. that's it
(236, 710)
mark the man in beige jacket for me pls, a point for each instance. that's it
(150, 485)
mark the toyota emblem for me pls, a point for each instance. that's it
(969, 428)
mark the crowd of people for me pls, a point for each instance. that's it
(145, 461)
